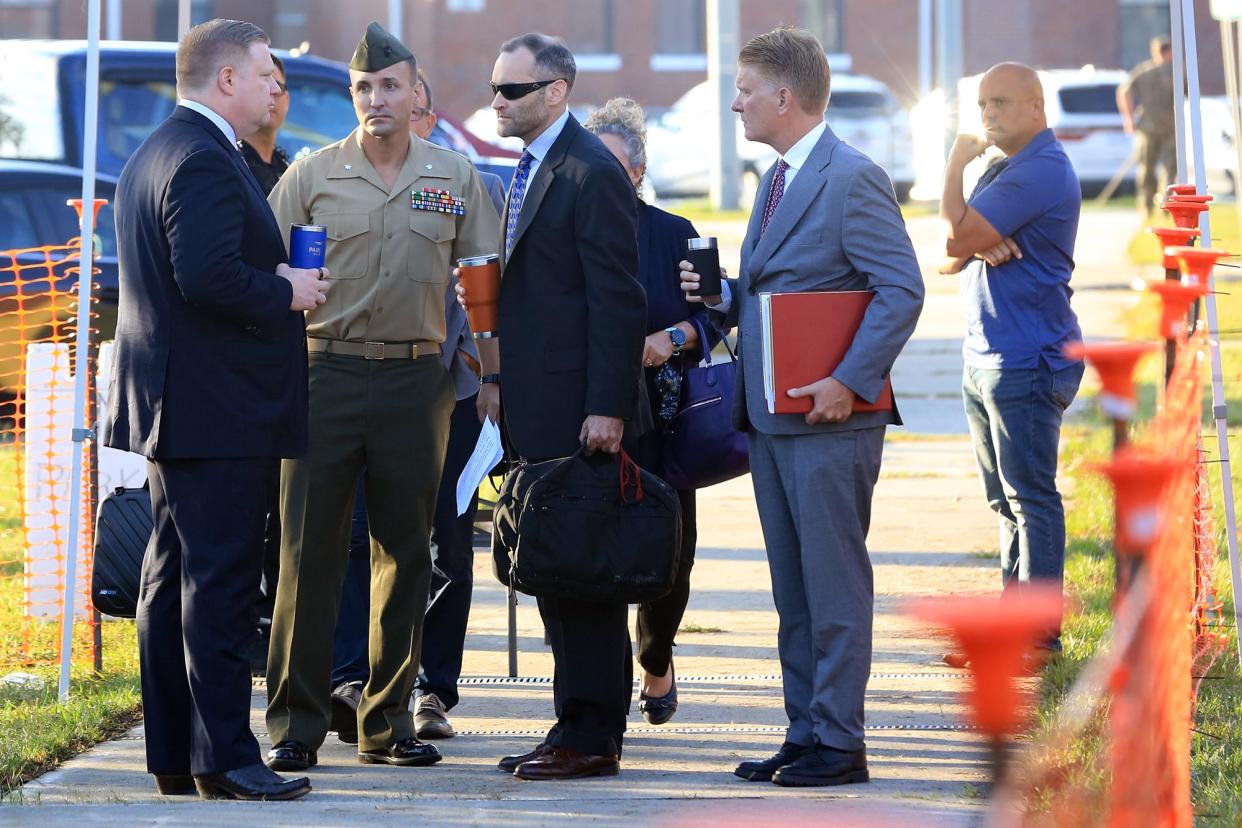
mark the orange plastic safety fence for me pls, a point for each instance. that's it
(38, 321)
(1129, 716)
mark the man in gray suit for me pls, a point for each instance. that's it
(824, 219)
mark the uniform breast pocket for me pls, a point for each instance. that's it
(349, 239)
(431, 246)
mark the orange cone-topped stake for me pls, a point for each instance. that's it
(1139, 481)
(1176, 299)
(1185, 213)
(1196, 262)
(1115, 363)
(1173, 237)
(996, 635)
(1180, 189)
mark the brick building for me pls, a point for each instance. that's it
(654, 50)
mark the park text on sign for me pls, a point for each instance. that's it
(1227, 9)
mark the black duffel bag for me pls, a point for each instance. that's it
(122, 532)
(591, 528)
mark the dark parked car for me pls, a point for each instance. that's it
(43, 86)
(33, 214)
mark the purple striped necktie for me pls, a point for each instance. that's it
(774, 195)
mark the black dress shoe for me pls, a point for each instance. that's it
(253, 782)
(174, 784)
(344, 705)
(564, 763)
(659, 709)
(762, 770)
(408, 752)
(291, 756)
(510, 763)
(824, 766)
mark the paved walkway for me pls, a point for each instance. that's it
(932, 535)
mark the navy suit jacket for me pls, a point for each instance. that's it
(572, 313)
(210, 361)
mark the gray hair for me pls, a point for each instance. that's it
(622, 117)
(552, 57)
(209, 47)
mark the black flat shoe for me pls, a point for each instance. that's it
(253, 782)
(761, 770)
(822, 767)
(409, 752)
(659, 709)
(291, 756)
(174, 784)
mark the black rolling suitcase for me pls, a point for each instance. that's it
(122, 531)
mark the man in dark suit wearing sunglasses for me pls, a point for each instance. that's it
(572, 324)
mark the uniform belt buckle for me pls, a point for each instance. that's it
(375, 350)
(414, 351)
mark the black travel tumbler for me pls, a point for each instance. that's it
(702, 253)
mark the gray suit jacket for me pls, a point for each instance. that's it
(837, 227)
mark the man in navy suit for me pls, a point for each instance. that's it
(210, 385)
(572, 317)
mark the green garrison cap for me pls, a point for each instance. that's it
(378, 50)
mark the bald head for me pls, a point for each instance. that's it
(1011, 106)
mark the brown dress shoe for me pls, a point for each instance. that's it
(565, 763)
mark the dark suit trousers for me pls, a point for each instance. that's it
(196, 611)
(452, 573)
(593, 675)
(658, 620)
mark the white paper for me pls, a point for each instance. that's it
(487, 453)
(769, 369)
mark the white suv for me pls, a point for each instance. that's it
(1081, 105)
(861, 111)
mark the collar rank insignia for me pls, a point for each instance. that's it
(437, 201)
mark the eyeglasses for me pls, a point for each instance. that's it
(513, 91)
(418, 113)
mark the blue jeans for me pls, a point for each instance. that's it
(1015, 422)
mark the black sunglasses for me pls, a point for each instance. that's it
(513, 91)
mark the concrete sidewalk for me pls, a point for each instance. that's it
(932, 534)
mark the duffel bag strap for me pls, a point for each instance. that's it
(630, 476)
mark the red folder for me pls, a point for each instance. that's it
(805, 337)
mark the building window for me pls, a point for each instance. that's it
(588, 27)
(465, 5)
(1141, 20)
(681, 27)
(823, 19)
(166, 16)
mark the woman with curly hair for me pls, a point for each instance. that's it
(661, 245)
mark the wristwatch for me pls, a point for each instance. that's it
(489, 378)
(679, 338)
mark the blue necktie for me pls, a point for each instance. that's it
(517, 193)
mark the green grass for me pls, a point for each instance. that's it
(1216, 755)
(36, 731)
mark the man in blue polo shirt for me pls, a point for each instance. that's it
(1013, 243)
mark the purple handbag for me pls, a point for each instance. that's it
(702, 448)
